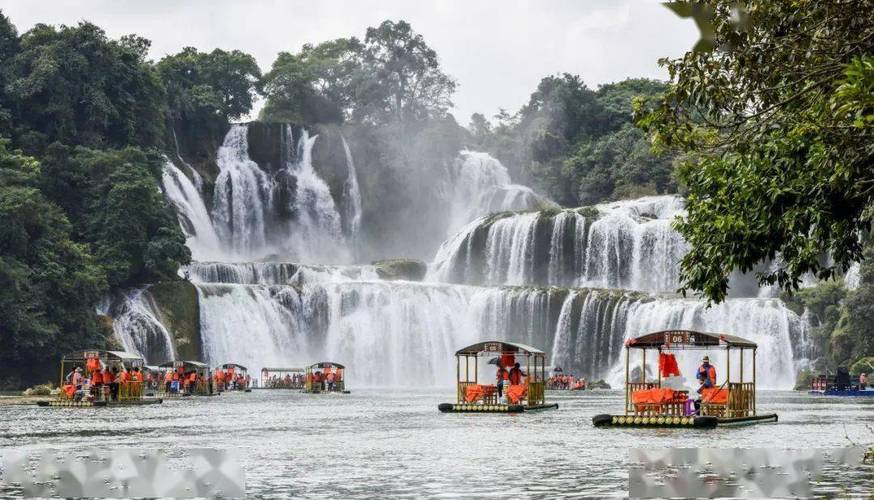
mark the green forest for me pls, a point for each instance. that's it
(767, 129)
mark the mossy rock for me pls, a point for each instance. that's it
(39, 390)
(802, 381)
(589, 212)
(401, 269)
(177, 304)
(600, 384)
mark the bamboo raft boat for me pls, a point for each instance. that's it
(473, 397)
(731, 403)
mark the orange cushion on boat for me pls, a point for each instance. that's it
(715, 396)
(655, 395)
(69, 390)
(478, 392)
(515, 393)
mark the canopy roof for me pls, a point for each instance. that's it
(124, 357)
(496, 348)
(326, 364)
(184, 364)
(301, 370)
(234, 366)
(687, 339)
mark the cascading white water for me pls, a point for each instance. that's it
(137, 327)
(478, 184)
(193, 216)
(627, 245)
(400, 333)
(352, 193)
(242, 196)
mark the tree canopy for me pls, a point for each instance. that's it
(207, 90)
(776, 130)
(74, 85)
(390, 76)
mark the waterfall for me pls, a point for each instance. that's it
(193, 216)
(400, 333)
(315, 231)
(479, 184)
(351, 193)
(628, 246)
(242, 196)
(136, 325)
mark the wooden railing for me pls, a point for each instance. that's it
(630, 388)
(741, 399)
(462, 390)
(132, 389)
(536, 394)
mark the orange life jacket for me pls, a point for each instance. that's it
(107, 377)
(711, 373)
(92, 365)
(168, 376)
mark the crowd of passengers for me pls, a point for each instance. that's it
(230, 380)
(566, 382)
(288, 381)
(97, 381)
(327, 380)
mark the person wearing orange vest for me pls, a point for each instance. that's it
(192, 381)
(516, 375)
(706, 375)
(168, 380)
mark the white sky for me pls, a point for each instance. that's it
(498, 50)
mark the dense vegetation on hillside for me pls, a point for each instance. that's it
(577, 144)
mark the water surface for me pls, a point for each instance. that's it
(390, 442)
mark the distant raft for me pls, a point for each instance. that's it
(325, 377)
(649, 404)
(521, 395)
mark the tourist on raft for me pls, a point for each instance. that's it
(863, 381)
(502, 377)
(706, 376)
(516, 375)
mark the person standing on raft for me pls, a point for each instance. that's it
(502, 377)
(516, 375)
(706, 375)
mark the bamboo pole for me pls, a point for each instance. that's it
(627, 374)
(728, 365)
(476, 369)
(466, 368)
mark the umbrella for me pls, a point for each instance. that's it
(494, 361)
(557, 369)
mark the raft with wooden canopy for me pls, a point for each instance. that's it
(130, 392)
(315, 378)
(473, 397)
(649, 404)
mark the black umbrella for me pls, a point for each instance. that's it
(557, 369)
(494, 361)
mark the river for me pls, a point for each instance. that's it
(395, 443)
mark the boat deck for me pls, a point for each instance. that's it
(492, 408)
(695, 421)
(853, 393)
(95, 404)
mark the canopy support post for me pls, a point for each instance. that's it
(728, 366)
(627, 374)
(643, 367)
(754, 380)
